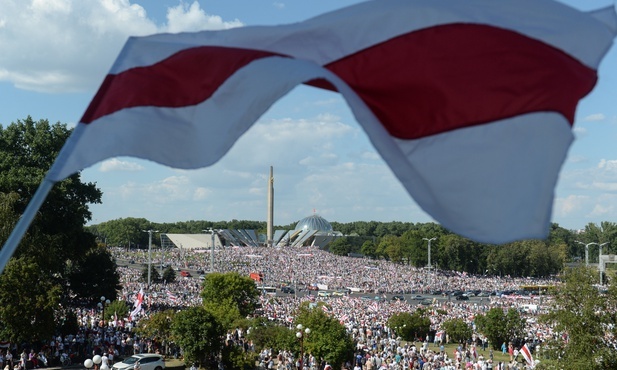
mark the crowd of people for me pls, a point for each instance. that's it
(365, 315)
(366, 319)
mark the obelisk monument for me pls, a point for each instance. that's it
(270, 220)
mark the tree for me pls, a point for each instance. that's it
(268, 334)
(116, 309)
(410, 326)
(27, 150)
(94, 275)
(37, 280)
(169, 275)
(340, 247)
(500, 327)
(587, 318)
(27, 312)
(369, 249)
(199, 335)
(155, 277)
(240, 291)
(328, 338)
(157, 326)
(458, 330)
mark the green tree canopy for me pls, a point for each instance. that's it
(328, 338)
(155, 277)
(458, 330)
(340, 246)
(240, 291)
(94, 275)
(27, 150)
(199, 335)
(587, 318)
(268, 334)
(169, 275)
(500, 327)
(410, 326)
(157, 326)
(56, 241)
(27, 310)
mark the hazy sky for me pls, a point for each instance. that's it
(55, 53)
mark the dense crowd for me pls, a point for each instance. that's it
(364, 318)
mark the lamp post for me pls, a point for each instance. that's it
(600, 264)
(88, 363)
(429, 258)
(300, 334)
(149, 252)
(102, 305)
(96, 359)
(212, 232)
(587, 250)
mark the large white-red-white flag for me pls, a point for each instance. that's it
(470, 103)
(527, 355)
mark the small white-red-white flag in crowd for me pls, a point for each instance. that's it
(470, 103)
(171, 296)
(527, 355)
(137, 304)
(373, 307)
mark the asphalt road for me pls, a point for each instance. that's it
(301, 292)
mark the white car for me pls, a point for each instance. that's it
(148, 361)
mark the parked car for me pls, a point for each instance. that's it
(462, 297)
(185, 273)
(398, 298)
(288, 290)
(147, 361)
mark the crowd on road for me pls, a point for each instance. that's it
(364, 318)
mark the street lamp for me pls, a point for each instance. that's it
(149, 252)
(96, 359)
(102, 305)
(600, 264)
(301, 335)
(88, 364)
(212, 232)
(587, 250)
(429, 257)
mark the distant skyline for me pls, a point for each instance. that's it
(322, 159)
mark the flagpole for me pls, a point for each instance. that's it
(24, 222)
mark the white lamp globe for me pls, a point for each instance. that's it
(88, 363)
(96, 359)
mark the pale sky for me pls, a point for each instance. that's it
(55, 53)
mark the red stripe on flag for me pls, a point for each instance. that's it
(418, 84)
(185, 78)
(459, 75)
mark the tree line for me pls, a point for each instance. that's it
(406, 242)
